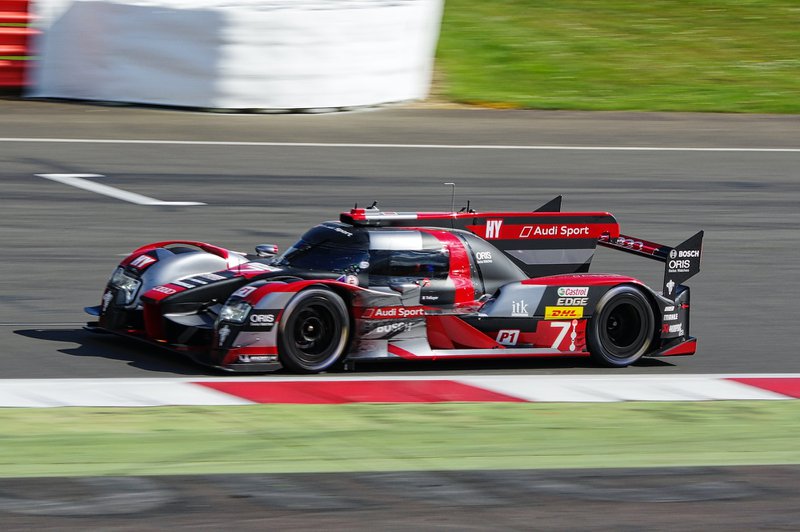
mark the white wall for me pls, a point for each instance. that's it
(242, 54)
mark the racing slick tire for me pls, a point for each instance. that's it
(313, 331)
(621, 330)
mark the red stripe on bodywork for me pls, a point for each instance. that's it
(460, 271)
(459, 334)
(688, 347)
(789, 386)
(591, 279)
(546, 231)
(338, 392)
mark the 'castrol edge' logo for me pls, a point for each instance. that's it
(388, 313)
(573, 291)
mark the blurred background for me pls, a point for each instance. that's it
(275, 115)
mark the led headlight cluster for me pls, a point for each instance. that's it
(126, 285)
(235, 311)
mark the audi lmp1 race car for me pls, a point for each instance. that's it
(385, 285)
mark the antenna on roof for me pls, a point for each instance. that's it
(452, 196)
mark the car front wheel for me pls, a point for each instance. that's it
(313, 331)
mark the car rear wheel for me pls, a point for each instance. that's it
(621, 330)
(313, 331)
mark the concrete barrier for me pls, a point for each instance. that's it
(240, 54)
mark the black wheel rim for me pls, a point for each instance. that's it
(622, 329)
(315, 333)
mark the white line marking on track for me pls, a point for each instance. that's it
(401, 146)
(77, 181)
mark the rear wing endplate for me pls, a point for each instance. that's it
(680, 262)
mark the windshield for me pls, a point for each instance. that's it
(324, 256)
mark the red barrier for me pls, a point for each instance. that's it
(15, 37)
(17, 6)
(12, 73)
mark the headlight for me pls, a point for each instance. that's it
(125, 284)
(235, 312)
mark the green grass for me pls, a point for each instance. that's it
(382, 437)
(661, 55)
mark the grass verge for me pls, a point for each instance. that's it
(663, 55)
(383, 437)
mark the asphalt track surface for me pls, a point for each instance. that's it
(266, 178)
(730, 499)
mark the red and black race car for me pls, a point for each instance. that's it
(383, 285)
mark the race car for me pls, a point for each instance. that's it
(380, 285)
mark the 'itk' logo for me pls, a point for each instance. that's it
(519, 308)
(493, 228)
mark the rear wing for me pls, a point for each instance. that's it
(680, 262)
(541, 242)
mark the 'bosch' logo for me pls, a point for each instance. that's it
(673, 254)
(688, 254)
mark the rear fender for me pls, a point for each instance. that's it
(572, 296)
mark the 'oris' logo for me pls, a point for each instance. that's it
(262, 319)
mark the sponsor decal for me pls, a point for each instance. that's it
(519, 309)
(674, 328)
(429, 298)
(245, 291)
(258, 358)
(573, 291)
(348, 279)
(342, 231)
(507, 336)
(670, 286)
(562, 313)
(184, 284)
(386, 313)
(670, 308)
(679, 266)
(564, 231)
(213, 277)
(262, 320)
(671, 317)
(684, 254)
(165, 290)
(142, 261)
(493, 228)
(572, 301)
(224, 331)
(630, 243)
(107, 298)
(394, 328)
(259, 318)
(483, 257)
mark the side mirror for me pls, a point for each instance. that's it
(404, 288)
(266, 250)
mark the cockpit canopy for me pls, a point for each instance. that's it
(386, 256)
